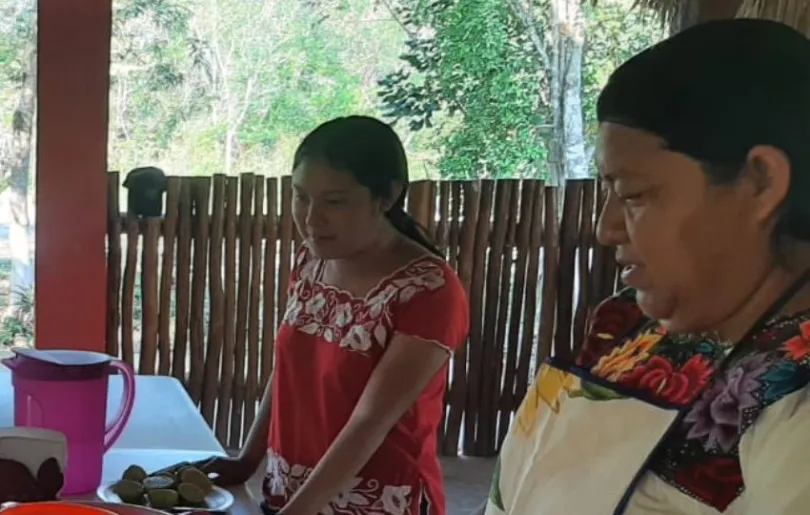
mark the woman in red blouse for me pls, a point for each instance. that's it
(349, 420)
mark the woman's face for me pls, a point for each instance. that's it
(693, 251)
(335, 214)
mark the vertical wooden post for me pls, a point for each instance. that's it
(71, 191)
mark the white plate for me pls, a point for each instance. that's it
(219, 499)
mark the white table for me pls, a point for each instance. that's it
(165, 428)
(163, 415)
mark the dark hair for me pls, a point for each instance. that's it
(718, 89)
(372, 152)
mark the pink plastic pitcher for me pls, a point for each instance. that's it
(66, 391)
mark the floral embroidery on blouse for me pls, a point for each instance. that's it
(364, 496)
(623, 359)
(611, 321)
(700, 457)
(354, 323)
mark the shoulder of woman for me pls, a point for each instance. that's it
(303, 262)
(429, 273)
(779, 368)
(431, 303)
(302, 255)
(425, 287)
(613, 320)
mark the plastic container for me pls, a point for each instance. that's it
(66, 391)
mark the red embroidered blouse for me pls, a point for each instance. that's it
(327, 347)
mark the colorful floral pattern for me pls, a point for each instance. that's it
(545, 393)
(700, 456)
(798, 347)
(625, 358)
(662, 379)
(610, 322)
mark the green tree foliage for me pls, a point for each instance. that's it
(151, 54)
(614, 33)
(17, 33)
(201, 86)
(232, 85)
(471, 69)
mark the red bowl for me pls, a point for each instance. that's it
(55, 508)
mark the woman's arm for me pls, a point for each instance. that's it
(405, 370)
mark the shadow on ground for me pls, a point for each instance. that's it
(467, 483)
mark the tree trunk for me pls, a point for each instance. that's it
(22, 276)
(568, 155)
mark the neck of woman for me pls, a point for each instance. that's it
(371, 257)
(792, 263)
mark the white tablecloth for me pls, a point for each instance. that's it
(165, 428)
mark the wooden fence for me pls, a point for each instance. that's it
(198, 293)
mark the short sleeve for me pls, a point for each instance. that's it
(303, 263)
(774, 453)
(438, 312)
(609, 324)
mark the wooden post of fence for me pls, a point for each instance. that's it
(200, 191)
(473, 444)
(254, 300)
(457, 389)
(216, 296)
(569, 227)
(229, 344)
(501, 345)
(584, 237)
(517, 260)
(113, 264)
(149, 296)
(128, 291)
(491, 348)
(516, 347)
(269, 320)
(183, 292)
(167, 275)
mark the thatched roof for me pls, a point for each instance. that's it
(682, 13)
(795, 13)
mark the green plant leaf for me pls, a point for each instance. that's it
(596, 392)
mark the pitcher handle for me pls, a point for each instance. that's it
(116, 426)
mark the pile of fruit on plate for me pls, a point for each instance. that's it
(164, 490)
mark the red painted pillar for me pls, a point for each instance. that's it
(71, 190)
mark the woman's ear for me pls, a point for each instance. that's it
(769, 170)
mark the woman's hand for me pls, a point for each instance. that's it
(226, 471)
(237, 470)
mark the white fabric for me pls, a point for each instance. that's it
(575, 460)
(775, 461)
(574, 448)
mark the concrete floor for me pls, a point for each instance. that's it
(466, 481)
